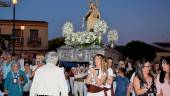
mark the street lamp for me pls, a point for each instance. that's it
(22, 27)
(22, 40)
(14, 2)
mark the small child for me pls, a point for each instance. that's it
(122, 83)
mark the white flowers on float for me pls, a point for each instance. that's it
(100, 26)
(67, 29)
(112, 37)
(84, 38)
(78, 38)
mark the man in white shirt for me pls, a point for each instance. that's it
(49, 79)
(79, 81)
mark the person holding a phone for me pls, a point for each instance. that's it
(96, 77)
(38, 63)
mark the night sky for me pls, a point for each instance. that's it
(146, 20)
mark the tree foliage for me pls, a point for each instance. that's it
(138, 50)
(55, 43)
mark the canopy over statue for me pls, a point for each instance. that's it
(92, 15)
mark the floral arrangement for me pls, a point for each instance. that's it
(112, 35)
(100, 26)
(67, 29)
(86, 39)
(80, 39)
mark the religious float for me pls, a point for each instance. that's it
(82, 46)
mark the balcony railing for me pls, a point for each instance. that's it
(34, 42)
(19, 41)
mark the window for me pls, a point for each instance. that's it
(17, 32)
(33, 34)
(34, 40)
(18, 35)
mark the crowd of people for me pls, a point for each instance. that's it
(128, 78)
(17, 72)
(40, 75)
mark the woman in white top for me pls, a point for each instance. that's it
(96, 77)
(28, 72)
(109, 83)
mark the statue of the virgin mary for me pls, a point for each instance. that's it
(92, 16)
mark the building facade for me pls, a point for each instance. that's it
(162, 50)
(28, 35)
